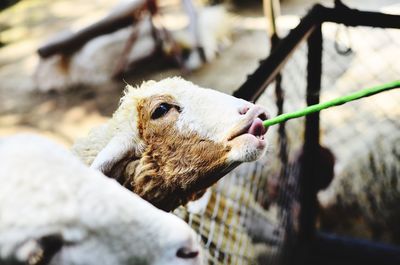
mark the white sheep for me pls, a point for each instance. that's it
(170, 140)
(96, 62)
(56, 210)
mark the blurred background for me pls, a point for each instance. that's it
(27, 25)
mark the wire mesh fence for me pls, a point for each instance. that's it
(363, 135)
(251, 216)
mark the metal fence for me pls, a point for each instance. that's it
(267, 212)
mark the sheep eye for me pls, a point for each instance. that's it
(161, 111)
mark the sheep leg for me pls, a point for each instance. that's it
(123, 60)
(193, 27)
(165, 39)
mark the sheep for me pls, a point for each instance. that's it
(170, 140)
(363, 199)
(98, 58)
(56, 210)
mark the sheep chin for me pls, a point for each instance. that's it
(247, 148)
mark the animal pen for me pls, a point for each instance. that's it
(269, 211)
(311, 61)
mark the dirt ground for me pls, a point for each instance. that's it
(68, 115)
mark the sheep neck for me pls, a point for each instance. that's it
(174, 170)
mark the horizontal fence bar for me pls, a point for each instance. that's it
(342, 14)
(268, 69)
(330, 249)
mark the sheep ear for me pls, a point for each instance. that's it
(36, 251)
(115, 156)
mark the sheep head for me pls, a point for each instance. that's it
(56, 210)
(170, 140)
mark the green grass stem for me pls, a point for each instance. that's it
(331, 103)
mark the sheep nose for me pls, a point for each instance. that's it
(255, 111)
(189, 250)
(187, 253)
(244, 109)
(180, 242)
(261, 112)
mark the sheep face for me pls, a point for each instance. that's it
(56, 210)
(170, 140)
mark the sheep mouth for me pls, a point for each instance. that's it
(253, 127)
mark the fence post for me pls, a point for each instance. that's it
(309, 168)
(271, 12)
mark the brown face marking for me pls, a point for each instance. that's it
(174, 167)
(117, 170)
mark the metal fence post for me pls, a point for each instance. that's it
(310, 157)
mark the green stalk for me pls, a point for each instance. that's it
(334, 102)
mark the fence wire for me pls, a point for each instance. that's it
(251, 215)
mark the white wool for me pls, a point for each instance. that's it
(199, 206)
(214, 33)
(214, 28)
(45, 190)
